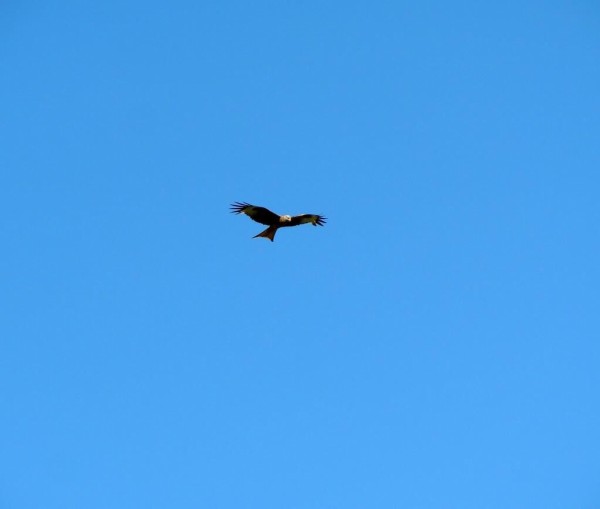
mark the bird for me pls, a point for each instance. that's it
(263, 215)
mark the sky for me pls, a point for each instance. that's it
(434, 345)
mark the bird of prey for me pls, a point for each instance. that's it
(274, 221)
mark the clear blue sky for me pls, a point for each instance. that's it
(435, 345)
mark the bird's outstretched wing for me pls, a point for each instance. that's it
(258, 214)
(314, 219)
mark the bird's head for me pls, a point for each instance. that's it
(285, 219)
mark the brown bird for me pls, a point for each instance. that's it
(265, 216)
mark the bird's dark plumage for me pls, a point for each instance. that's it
(259, 214)
(274, 221)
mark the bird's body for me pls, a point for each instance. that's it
(274, 221)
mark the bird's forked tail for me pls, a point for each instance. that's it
(269, 233)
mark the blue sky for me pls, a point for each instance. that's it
(435, 345)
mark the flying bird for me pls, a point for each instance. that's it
(274, 221)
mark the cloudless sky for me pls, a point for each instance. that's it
(435, 345)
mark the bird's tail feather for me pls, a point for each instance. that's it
(269, 233)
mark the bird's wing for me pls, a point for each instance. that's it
(258, 214)
(314, 219)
